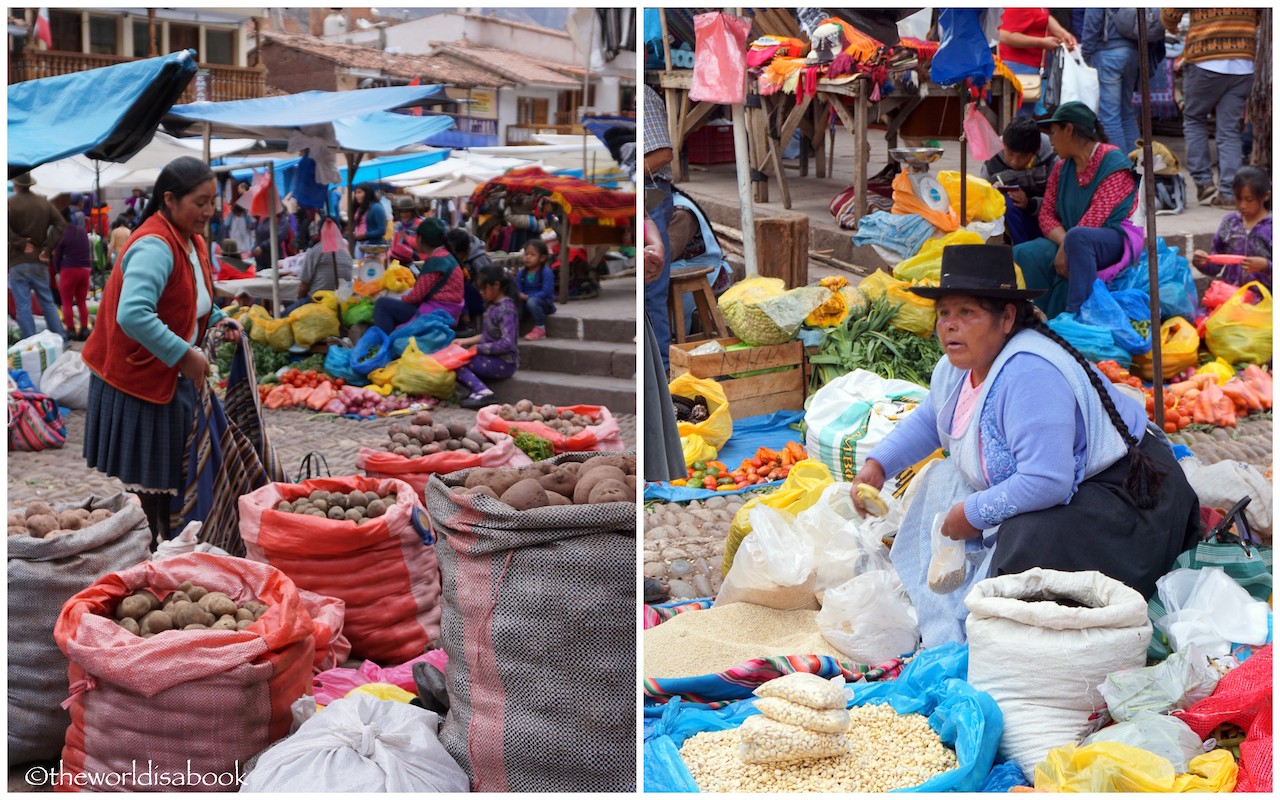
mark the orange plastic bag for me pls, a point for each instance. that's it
(417, 471)
(453, 356)
(604, 435)
(906, 202)
(1218, 293)
(1240, 330)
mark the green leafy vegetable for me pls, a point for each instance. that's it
(534, 446)
(867, 340)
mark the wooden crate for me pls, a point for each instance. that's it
(758, 394)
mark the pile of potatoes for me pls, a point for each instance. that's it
(424, 437)
(565, 423)
(40, 521)
(356, 506)
(601, 479)
(191, 608)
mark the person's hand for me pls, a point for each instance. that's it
(1254, 263)
(524, 296)
(872, 474)
(1060, 262)
(1070, 41)
(1199, 258)
(194, 366)
(44, 256)
(1050, 42)
(1018, 198)
(230, 328)
(28, 247)
(956, 526)
(655, 257)
(467, 342)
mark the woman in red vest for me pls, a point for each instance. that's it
(143, 351)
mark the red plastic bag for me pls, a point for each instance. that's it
(137, 704)
(1218, 293)
(1242, 698)
(417, 471)
(720, 58)
(453, 356)
(983, 140)
(383, 571)
(604, 435)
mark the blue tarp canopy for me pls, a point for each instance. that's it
(374, 170)
(108, 114)
(382, 131)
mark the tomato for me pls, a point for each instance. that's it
(756, 462)
(679, 482)
(1170, 427)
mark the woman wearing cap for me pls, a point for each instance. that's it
(439, 284)
(1049, 466)
(407, 222)
(143, 351)
(1090, 193)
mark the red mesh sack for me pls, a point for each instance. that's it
(416, 471)
(604, 436)
(385, 570)
(194, 706)
(1242, 698)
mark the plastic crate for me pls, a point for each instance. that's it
(710, 144)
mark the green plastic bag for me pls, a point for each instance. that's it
(360, 312)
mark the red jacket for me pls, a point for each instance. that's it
(121, 361)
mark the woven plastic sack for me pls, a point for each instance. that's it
(417, 471)
(760, 311)
(382, 569)
(1073, 650)
(516, 583)
(720, 58)
(328, 615)
(926, 264)
(1243, 698)
(605, 435)
(984, 202)
(421, 375)
(716, 429)
(67, 380)
(277, 333)
(372, 352)
(1114, 767)
(1179, 351)
(852, 414)
(159, 699)
(313, 323)
(1240, 330)
(915, 315)
(44, 574)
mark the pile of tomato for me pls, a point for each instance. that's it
(309, 379)
(766, 466)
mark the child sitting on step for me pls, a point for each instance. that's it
(497, 351)
(537, 287)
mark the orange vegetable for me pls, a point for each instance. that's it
(1242, 394)
(1260, 381)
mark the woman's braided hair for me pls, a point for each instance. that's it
(1145, 477)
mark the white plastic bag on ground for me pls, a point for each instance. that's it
(1225, 483)
(845, 546)
(67, 381)
(852, 414)
(1167, 737)
(188, 541)
(774, 565)
(870, 618)
(360, 744)
(1040, 643)
(1180, 681)
(1208, 608)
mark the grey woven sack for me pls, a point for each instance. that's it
(540, 627)
(43, 575)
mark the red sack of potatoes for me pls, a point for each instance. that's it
(604, 435)
(328, 614)
(416, 471)
(187, 707)
(381, 569)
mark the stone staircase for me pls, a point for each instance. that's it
(588, 356)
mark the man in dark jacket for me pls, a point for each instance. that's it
(1025, 164)
(35, 228)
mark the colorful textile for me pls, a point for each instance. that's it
(583, 201)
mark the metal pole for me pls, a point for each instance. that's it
(586, 87)
(964, 164)
(1149, 194)
(748, 213)
(275, 247)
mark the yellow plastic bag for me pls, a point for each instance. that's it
(916, 314)
(716, 429)
(313, 323)
(1239, 330)
(984, 201)
(384, 691)
(249, 318)
(278, 333)
(326, 298)
(1219, 369)
(1114, 767)
(383, 389)
(696, 449)
(1179, 350)
(397, 279)
(380, 380)
(802, 488)
(836, 309)
(926, 264)
(420, 374)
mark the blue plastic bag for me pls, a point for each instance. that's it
(933, 684)
(337, 364)
(1177, 288)
(1102, 310)
(1097, 343)
(372, 352)
(963, 52)
(433, 332)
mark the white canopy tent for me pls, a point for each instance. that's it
(79, 173)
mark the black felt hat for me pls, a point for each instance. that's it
(978, 270)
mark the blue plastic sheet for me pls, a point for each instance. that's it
(433, 332)
(1096, 342)
(372, 352)
(749, 435)
(1102, 310)
(933, 684)
(1177, 288)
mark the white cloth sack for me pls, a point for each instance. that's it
(67, 381)
(186, 542)
(870, 618)
(360, 744)
(1042, 661)
(1225, 483)
(1079, 80)
(35, 354)
(852, 414)
(774, 565)
(1206, 607)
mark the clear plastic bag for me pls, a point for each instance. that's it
(767, 741)
(1167, 737)
(848, 547)
(834, 720)
(1181, 681)
(806, 689)
(774, 566)
(870, 619)
(947, 567)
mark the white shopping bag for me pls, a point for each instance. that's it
(1079, 80)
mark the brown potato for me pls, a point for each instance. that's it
(477, 477)
(195, 626)
(484, 490)
(17, 521)
(500, 480)
(196, 592)
(69, 520)
(559, 481)
(587, 480)
(613, 460)
(41, 525)
(376, 508)
(611, 491)
(525, 494)
(153, 602)
(337, 513)
(633, 484)
(133, 607)
(457, 429)
(131, 625)
(439, 432)
(523, 405)
(186, 586)
(19, 530)
(218, 604)
(244, 613)
(39, 507)
(354, 514)
(556, 499)
(226, 623)
(98, 515)
(243, 624)
(156, 622)
(192, 614)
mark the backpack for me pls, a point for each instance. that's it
(1126, 22)
(1171, 193)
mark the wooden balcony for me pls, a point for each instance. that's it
(224, 82)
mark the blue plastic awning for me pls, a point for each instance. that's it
(378, 169)
(108, 114)
(382, 131)
(462, 139)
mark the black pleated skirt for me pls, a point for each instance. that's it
(140, 443)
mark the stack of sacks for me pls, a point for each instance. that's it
(801, 716)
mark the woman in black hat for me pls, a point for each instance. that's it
(1049, 465)
(232, 266)
(1090, 193)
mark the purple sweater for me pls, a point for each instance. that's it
(73, 249)
(1033, 440)
(1233, 239)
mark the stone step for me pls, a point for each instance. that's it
(579, 357)
(558, 388)
(590, 328)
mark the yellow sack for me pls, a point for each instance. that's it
(1179, 351)
(277, 333)
(420, 374)
(696, 449)
(984, 202)
(916, 314)
(327, 299)
(715, 429)
(926, 264)
(380, 380)
(1239, 330)
(384, 691)
(1219, 369)
(313, 323)
(802, 488)
(1114, 767)
(248, 319)
(398, 279)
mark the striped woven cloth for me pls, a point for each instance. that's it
(584, 202)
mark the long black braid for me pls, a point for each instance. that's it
(1144, 477)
